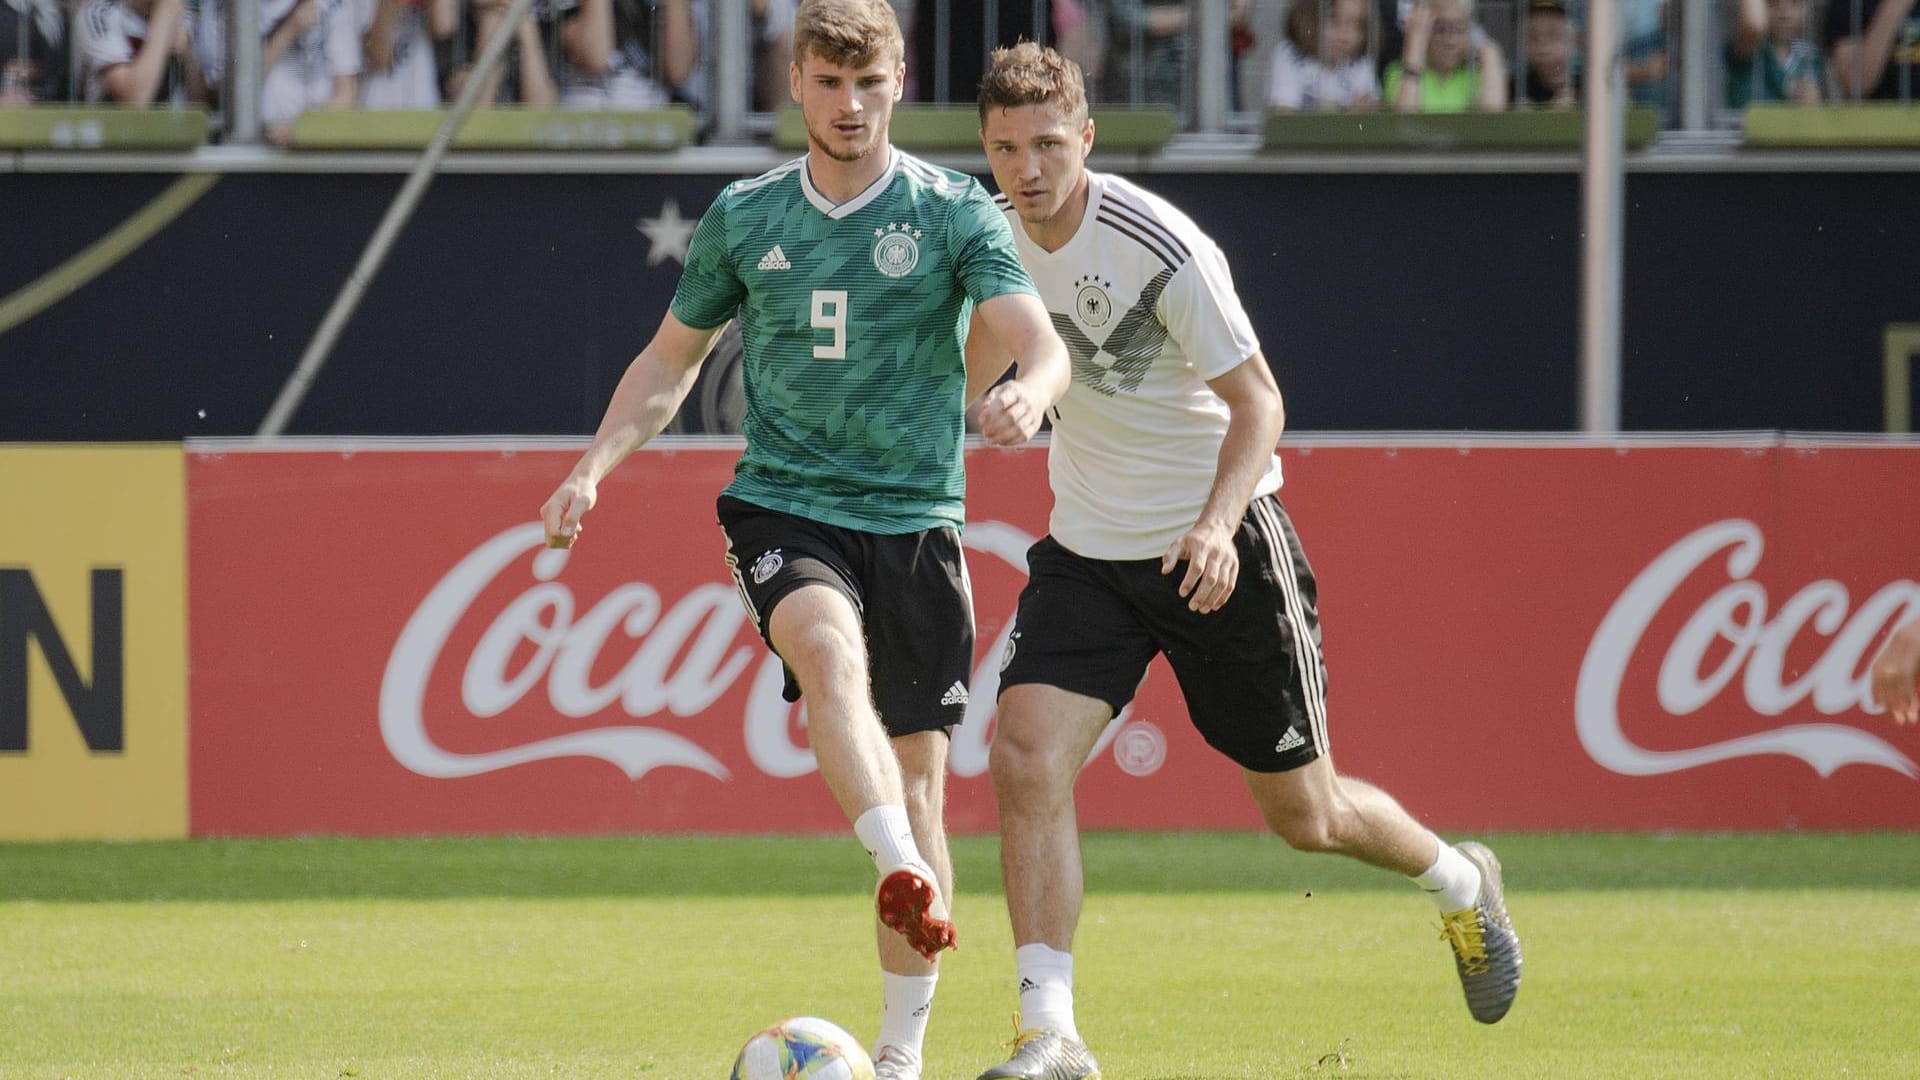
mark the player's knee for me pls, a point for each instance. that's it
(1026, 764)
(825, 660)
(1305, 830)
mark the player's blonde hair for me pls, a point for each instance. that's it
(848, 33)
(1030, 74)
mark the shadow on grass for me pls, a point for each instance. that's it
(550, 867)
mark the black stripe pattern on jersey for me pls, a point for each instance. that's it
(1133, 232)
(1137, 339)
(1126, 208)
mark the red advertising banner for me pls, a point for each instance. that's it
(1518, 637)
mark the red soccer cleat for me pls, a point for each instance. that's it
(906, 902)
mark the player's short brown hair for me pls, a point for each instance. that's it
(849, 33)
(1030, 74)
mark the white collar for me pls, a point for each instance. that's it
(868, 194)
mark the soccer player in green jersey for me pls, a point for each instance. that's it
(855, 272)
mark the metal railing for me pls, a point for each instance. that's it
(1206, 59)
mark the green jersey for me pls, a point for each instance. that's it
(853, 320)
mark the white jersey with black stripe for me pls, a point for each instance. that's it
(1145, 304)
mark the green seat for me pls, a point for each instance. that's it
(957, 127)
(102, 127)
(1851, 124)
(1521, 129)
(506, 128)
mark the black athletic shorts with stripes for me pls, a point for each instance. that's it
(910, 591)
(1251, 671)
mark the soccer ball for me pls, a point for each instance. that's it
(803, 1048)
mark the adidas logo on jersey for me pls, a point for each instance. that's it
(1292, 740)
(955, 695)
(775, 260)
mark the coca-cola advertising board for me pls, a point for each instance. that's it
(1540, 636)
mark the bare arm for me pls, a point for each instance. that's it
(588, 36)
(1413, 59)
(1860, 62)
(488, 19)
(648, 395)
(378, 44)
(1493, 79)
(1895, 673)
(986, 360)
(443, 18)
(1012, 411)
(1750, 30)
(536, 78)
(190, 73)
(137, 81)
(1256, 417)
(291, 28)
(678, 46)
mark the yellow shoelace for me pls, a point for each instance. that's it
(1461, 929)
(1022, 1038)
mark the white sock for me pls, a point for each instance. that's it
(888, 836)
(1453, 880)
(1046, 989)
(903, 1023)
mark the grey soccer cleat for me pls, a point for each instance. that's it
(1041, 1054)
(1486, 950)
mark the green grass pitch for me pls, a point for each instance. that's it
(1199, 957)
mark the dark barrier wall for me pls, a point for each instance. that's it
(513, 302)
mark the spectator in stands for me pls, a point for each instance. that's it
(1874, 49)
(1769, 57)
(398, 44)
(137, 52)
(1321, 61)
(773, 51)
(1548, 81)
(1081, 36)
(623, 54)
(1147, 51)
(523, 76)
(33, 52)
(1643, 49)
(310, 55)
(1441, 68)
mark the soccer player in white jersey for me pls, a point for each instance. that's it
(1166, 537)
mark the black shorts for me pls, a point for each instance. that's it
(1251, 672)
(910, 591)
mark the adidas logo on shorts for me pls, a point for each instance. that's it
(775, 260)
(955, 695)
(1292, 740)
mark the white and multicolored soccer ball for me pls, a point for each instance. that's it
(803, 1048)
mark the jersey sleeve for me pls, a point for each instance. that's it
(101, 45)
(710, 288)
(986, 262)
(1203, 315)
